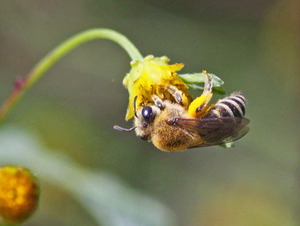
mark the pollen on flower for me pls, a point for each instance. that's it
(133, 63)
(19, 194)
(153, 76)
(165, 58)
(149, 57)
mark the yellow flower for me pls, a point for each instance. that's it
(19, 194)
(153, 76)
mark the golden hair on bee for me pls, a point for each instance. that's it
(154, 124)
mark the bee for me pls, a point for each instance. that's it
(172, 127)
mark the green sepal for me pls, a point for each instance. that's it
(196, 81)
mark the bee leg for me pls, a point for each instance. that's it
(176, 93)
(179, 96)
(199, 104)
(158, 102)
(134, 105)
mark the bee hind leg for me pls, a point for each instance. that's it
(199, 104)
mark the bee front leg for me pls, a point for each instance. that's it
(199, 104)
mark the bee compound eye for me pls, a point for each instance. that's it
(147, 113)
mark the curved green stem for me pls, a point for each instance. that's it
(21, 85)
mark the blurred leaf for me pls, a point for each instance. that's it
(105, 197)
(245, 205)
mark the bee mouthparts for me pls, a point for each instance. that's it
(119, 128)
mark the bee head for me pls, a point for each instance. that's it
(143, 121)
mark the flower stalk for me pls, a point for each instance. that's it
(23, 84)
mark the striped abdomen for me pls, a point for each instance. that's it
(231, 106)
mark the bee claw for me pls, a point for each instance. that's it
(178, 98)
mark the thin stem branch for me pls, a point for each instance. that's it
(22, 85)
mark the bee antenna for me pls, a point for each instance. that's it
(119, 128)
(134, 106)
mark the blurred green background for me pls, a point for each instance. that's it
(254, 46)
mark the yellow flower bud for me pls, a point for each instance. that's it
(19, 194)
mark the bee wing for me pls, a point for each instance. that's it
(214, 131)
